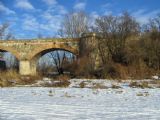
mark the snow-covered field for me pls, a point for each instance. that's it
(40, 103)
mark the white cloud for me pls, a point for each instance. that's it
(94, 15)
(48, 24)
(30, 23)
(47, 16)
(143, 16)
(107, 5)
(80, 6)
(107, 12)
(62, 10)
(105, 8)
(53, 21)
(4, 9)
(50, 2)
(24, 4)
(54, 6)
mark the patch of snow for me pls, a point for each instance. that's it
(41, 103)
(156, 77)
(46, 79)
(90, 83)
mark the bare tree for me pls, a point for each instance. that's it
(115, 31)
(74, 24)
(150, 43)
(4, 32)
(59, 57)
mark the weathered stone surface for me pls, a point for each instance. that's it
(28, 49)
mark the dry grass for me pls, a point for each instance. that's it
(82, 84)
(10, 74)
(155, 83)
(9, 78)
(63, 77)
(99, 86)
(12, 78)
(143, 94)
(132, 71)
(115, 86)
(142, 85)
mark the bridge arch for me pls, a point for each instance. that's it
(29, 66)
(40, 52)
(11, 50)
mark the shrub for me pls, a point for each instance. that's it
(63, 77)
(113, 71)
(82, 68)
(82, 84)
(115, 86)
(133, 84)
(142, 85)
(143, 94)
(99, 86)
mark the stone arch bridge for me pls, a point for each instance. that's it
(29, 51)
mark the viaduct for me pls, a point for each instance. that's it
(28, 52)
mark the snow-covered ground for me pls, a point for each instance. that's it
(42, 103)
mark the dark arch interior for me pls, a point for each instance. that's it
(8, 61)
(50, 59)
(2, 51)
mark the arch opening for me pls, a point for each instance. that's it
(54, 61)
(8, 61)
(9, 50)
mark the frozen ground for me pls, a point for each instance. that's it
(39, 103)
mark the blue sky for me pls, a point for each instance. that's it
(28, 18)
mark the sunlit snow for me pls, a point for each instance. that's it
(40, 103)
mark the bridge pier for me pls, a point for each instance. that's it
(27, 67)
(88, 47)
